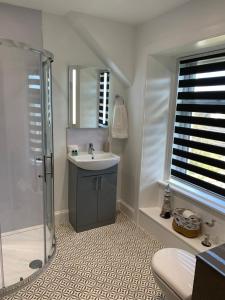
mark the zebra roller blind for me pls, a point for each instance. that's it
(103, 116)
(198, 155)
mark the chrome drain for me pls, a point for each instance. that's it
(35, 264)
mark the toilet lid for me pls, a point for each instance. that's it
(176, 268)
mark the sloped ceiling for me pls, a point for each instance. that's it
(112, 42)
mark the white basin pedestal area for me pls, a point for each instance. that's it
(98, 161)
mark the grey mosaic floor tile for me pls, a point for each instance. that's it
(112, 262)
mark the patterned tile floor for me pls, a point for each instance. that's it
(111, 262)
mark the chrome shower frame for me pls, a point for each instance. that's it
(45, 57)
(21, 45)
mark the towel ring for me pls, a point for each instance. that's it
(119, 98)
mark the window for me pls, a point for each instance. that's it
(103, 99)
(198, 155)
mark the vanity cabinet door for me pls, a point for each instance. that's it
(87, 201)
(107, 198)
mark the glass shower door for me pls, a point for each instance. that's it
(21, 144)
(48, 157)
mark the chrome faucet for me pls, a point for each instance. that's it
(91, 150)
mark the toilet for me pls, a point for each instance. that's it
(173, 270)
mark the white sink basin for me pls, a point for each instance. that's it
(101, 160)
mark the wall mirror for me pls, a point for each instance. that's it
(89, 97)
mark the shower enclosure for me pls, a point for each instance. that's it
(27, 239)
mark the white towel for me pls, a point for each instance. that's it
(120, 123)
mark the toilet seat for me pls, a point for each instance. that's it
(176, 268)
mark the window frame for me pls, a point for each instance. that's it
(192, 192)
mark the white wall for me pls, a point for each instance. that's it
(133, 147)
(160, 79)
(21, 24)
(83, 136)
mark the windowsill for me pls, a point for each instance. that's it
(154, 214)
(201, 197)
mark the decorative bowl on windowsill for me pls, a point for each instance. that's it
(187, 224)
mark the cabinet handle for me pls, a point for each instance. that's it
(100, 183)
(96, 183)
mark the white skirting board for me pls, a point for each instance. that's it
(126, 209)
(62, 216)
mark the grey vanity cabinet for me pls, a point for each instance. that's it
(92, 197)
(107, 197)
(87, 201)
